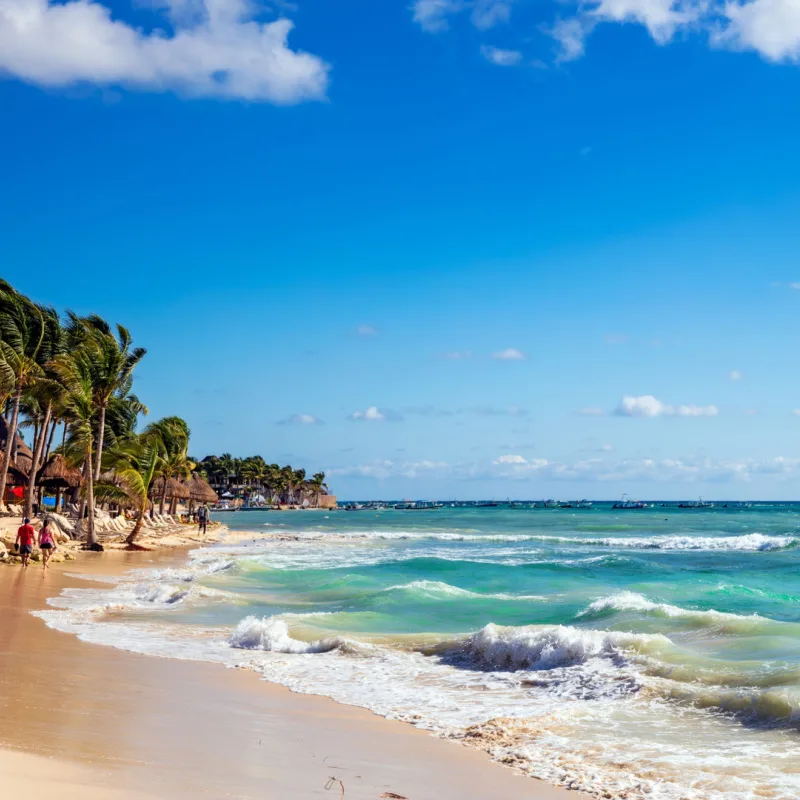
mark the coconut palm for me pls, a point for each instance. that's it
(135, 462)
(317, 484)
(23, 330)
(175, 463)
(116, 360)
(75, 371)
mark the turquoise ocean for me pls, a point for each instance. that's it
(647, 653)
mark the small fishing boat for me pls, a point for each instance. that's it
(551, 503)
(626, 504)
(695, 505)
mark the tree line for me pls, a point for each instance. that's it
(75, 374)
(253, 476)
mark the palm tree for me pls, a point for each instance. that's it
(22, 336)
(135, 462)
(75, 371)
(43, 395)
(116, 360)
(174, 434)
(317, 484)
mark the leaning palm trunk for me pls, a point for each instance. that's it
(38, 449)
(11, 441)
(137, 527)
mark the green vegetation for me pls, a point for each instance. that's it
(77, 375)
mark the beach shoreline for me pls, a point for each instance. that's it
(79, 717)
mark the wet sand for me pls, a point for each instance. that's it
(86, 721)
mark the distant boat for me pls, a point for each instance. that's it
(582, 504)
(551, 504)
(698, 504)
(626, 504)
(408, 506)
(486, 505)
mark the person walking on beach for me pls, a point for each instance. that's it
(26, 536)
(202, 519)
(47, 542)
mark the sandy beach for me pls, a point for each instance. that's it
(82, 720)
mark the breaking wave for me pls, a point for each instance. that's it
(272, 635)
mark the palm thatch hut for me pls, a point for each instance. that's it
(57, 476)
(175, 490)
(200, 491)
(21, 455)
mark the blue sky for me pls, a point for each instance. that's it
(329, 223)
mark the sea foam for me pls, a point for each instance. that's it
(272, 635)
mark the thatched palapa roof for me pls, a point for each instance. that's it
(21, 457)
(175, 489)
(200, 490)
(57, 474)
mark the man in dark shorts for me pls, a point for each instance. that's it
(26, 536)
(202, 519)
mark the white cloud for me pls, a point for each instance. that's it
(502, 58)
(735, 375)
(689, 470)
(591, 412)
(510, 354)
(457, 355)
(751, 412)
(795, 285)
(433, 15)
(375, 414)
(302, 419)
(510, 459)
(488, 13)
(770, 28)
(648, 406)
(796, 412)
(366, 330)
(219, 50)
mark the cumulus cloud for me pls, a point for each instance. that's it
(770, 28)
(301, 419)
(509, 354)
(735, 375)
(648, 406)
(375, 414)
(499, 57)
(366, 330)
(217, 49)
(488, 13)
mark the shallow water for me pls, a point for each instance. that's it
(650, 653)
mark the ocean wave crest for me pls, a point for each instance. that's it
(270, 634)
(438, 589)
(721, 620)
(497, 648)
(745, 542)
